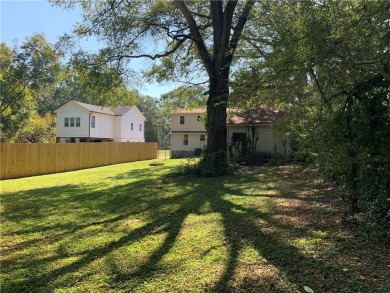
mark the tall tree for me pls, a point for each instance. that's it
(185, 33)
(25, 72)
(154, 124)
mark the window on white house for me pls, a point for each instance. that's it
(71, 124)
(66, 122)
(131, 126)
(198, 119)
(185, 140)
(202, 137)
(239, 137)
(92, 121)
(181, 119)
(140, 127)
(77, 122)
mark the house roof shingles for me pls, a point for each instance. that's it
(96, 109)
(121, 110)
(261, 115)
(118, 111)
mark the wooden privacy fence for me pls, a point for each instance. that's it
(24, 159)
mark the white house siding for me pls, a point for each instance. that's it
(104, 126)
(69, 111)
(126, 134)
(117, 128)
(195, 145)
(110, 124)
(193, 127)
(191, 122)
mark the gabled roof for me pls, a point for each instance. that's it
(261, 115)
(96, 109)
(121, 110)
(118, 111)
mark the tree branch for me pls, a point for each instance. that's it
(227, 26)
(201, 15)
(313, 74)
(238, 30)
(195, 35)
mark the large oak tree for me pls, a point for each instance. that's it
(185, 36)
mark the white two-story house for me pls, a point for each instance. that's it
(81, 122)
(254, 127)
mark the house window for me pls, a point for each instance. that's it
(131, 126)
(185, 140)
(181, 119)
(71, 124)
(66, 124)
(202, 137)
(77, 122)
(140, 127)
(198, 118)
(92, 121)
(239, 137)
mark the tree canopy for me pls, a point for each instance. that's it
(184, 36)
(327, 64)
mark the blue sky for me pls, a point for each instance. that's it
(20, 19)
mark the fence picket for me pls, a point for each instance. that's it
(20, 160)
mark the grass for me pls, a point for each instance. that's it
(132, 228)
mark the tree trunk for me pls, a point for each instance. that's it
(215, 162)
(217, 65)
(353, 173)
(216, 115)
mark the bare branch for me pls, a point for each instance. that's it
(313, 74)
(153, 57)
(193, 83)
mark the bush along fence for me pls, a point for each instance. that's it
(22, 160)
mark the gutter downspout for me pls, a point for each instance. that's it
(89, 127)
(57, 138)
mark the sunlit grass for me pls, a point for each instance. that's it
(132, 228)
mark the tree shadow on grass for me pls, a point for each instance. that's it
(162, 205)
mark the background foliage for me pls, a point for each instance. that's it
(327, 65)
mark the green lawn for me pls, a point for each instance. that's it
(131, 228)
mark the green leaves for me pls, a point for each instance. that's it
(327, 65)
(27, 74)
(38, 129)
